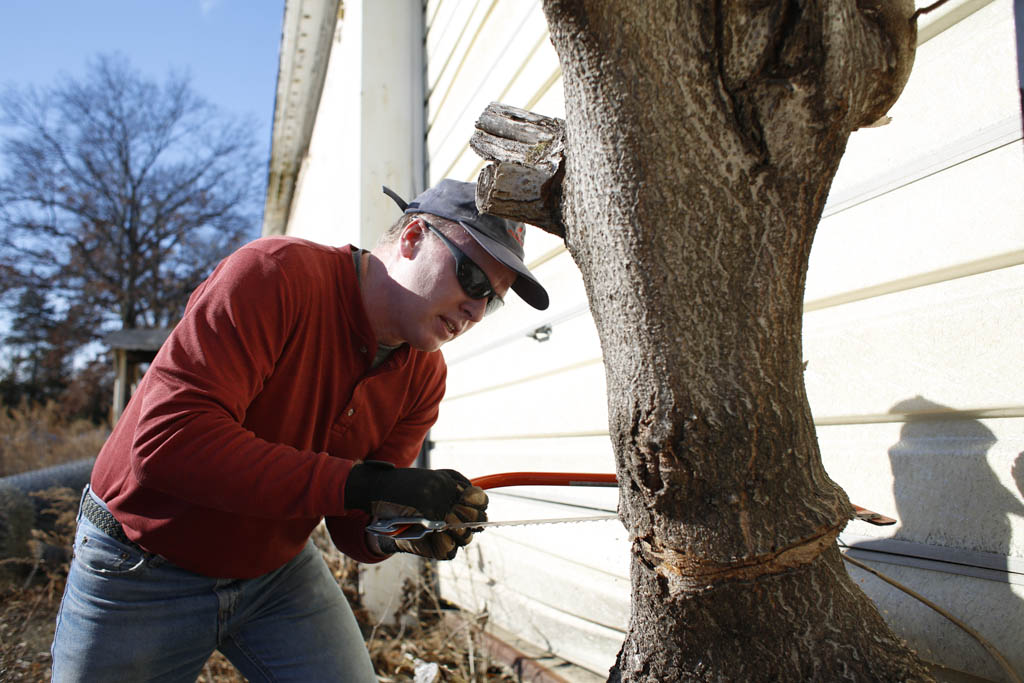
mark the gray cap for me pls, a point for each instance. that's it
(502, 239)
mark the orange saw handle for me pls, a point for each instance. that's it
(493, 481)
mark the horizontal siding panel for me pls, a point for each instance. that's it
(550, 100)
(953, 483)
(546, 246)
(446, 37)
(495, 57)
(971, 212)
(464, 166)
(593, 594)
(938, 19)
(570, 343)
(570, 402)
(963, 81)
(510, 59)
(588, 645)
(534, 79)
(540, 580)
(958, 343)
(564, 587)
(451, 83)
(560, 277)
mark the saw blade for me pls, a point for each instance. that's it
(524, 522)
(411, 528)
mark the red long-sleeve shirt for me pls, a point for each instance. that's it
(241, 434)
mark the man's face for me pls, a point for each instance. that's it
(438, 309)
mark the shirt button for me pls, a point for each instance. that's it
(351, 412)
(362, 349)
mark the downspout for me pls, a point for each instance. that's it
(420, 159)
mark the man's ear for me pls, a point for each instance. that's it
(410, 237)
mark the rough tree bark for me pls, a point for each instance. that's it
(701, 140)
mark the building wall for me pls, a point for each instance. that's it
(912, 332)
(369, 127)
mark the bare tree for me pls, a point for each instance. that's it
(700, 142)
(122, 192)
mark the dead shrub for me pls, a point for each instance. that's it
(37, 436)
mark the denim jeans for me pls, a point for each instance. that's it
(128, 616)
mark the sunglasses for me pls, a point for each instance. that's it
(471, 277)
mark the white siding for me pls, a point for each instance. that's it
(914, 300)
(368, 130)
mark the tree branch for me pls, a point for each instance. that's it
(525, 181)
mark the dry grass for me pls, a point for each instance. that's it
(31, 587)
(32, 437)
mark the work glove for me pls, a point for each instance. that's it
(387, 492)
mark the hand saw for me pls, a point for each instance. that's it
(418, 527)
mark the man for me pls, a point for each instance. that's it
(298, 386)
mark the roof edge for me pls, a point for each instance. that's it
(307, 36)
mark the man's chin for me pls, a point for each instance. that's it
(428, 346)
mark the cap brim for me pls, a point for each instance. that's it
(526, 286)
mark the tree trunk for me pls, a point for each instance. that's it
(701, 141)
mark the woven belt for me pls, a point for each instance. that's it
(101, 517)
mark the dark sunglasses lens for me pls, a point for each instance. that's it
(473, 280)
(475, 283)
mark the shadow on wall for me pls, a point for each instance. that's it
(948, 495)
(1018, 472)
(946, 492)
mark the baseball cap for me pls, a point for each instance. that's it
(455, 200)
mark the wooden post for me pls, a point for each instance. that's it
(121, 383)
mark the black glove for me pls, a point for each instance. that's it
(443, 545)
(385, 492)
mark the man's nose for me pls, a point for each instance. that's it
(475, 309)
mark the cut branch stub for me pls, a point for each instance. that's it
(524, 182)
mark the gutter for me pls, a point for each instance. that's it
(307, 36)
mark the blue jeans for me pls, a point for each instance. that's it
(128, 616)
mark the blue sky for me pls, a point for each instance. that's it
(230, 47)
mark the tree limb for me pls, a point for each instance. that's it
(528, 151)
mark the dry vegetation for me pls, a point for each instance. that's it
(32, 437)
(31, 587)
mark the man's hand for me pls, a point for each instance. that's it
(385, 492)
(443, 545)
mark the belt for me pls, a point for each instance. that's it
(101, 517)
